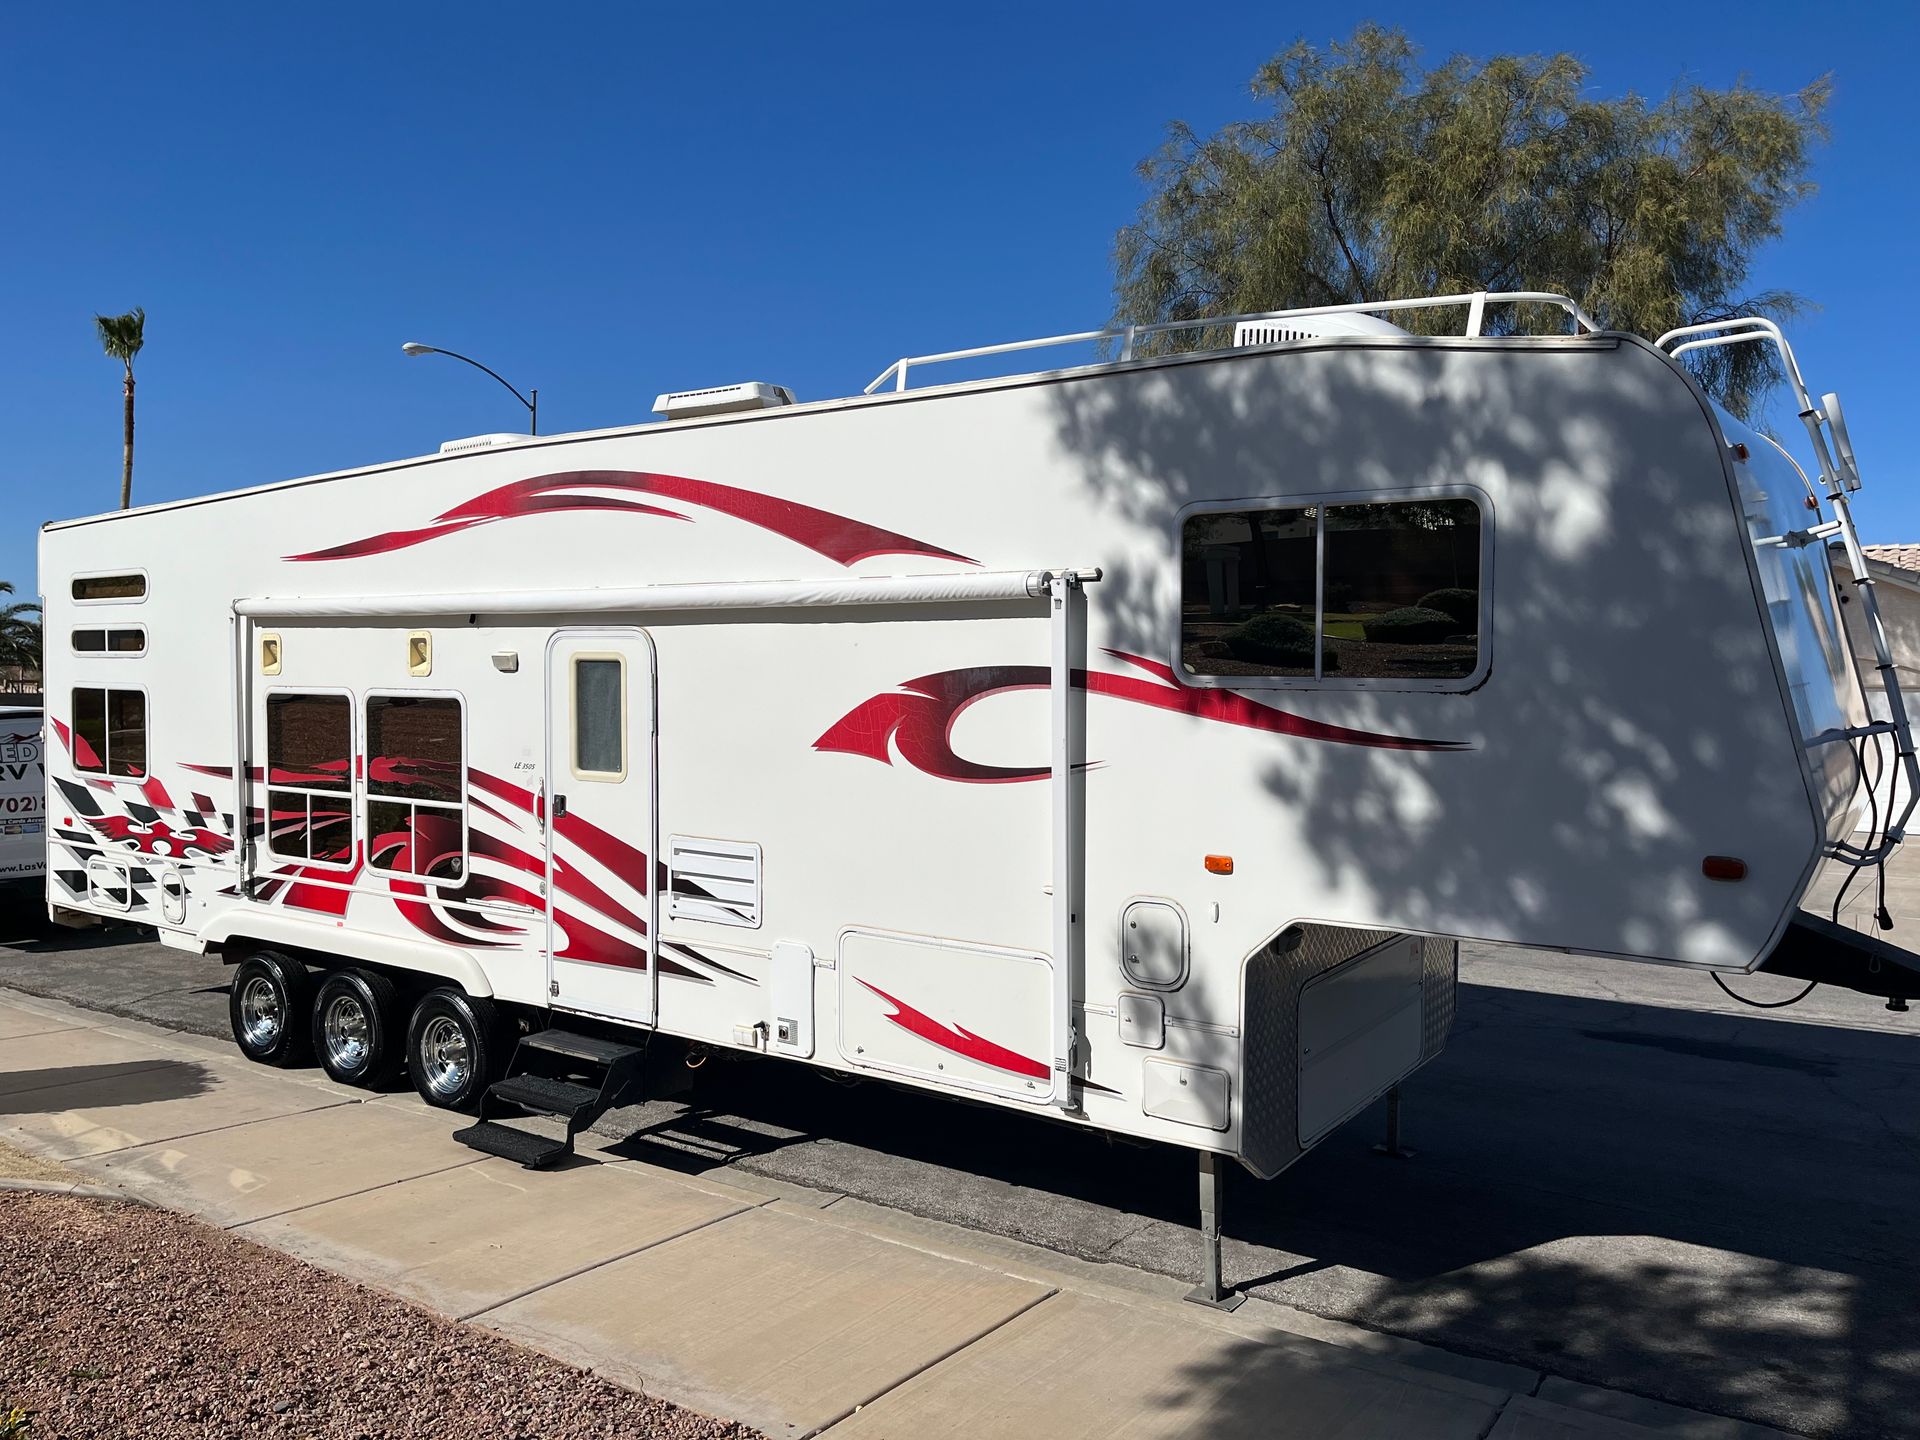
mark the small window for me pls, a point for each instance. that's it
(599, 717)
(131, 640)
(1386, 591)
(110, 732)
(416, 804)
(309, 777)
(110, 587)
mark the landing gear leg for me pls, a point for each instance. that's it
(1391, 1146)
(1210, 1292)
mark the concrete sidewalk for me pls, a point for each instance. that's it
(795, 1310)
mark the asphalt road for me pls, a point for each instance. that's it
(1622, 1177)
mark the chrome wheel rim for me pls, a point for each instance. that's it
(446, 1059)
(347, 1032)
(263, 1012)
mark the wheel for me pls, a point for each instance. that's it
(356, 1028)
(452, 1048)
(267, 1006)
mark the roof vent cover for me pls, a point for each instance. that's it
(722, 400)
(1310, 327)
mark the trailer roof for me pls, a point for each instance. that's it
(1594, 339)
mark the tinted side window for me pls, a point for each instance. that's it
(110, 732)
(110, 587)
(1402, 590)
(1389, 590)
(309, 775)
(1247, 586)
(416, 821)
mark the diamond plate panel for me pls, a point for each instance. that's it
(1270, 1051)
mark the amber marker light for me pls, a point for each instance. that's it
(1724, 867)
(1220, 864)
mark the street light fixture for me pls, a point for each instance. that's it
(414, 347)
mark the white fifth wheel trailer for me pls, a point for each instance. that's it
(1129, 744)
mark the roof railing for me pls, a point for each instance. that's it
(1129, 336)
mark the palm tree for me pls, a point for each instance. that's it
(121, 336)
(19, 635)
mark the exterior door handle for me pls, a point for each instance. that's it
(559, 806)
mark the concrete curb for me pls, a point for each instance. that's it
(76, 1188)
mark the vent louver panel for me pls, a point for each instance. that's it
(717, 881)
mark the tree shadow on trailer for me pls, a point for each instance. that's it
(1589, 560)
(1586, 560)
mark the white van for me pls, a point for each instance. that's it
(23, 797)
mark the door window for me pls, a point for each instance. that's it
(599, 717)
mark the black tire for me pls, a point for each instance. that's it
(267, 1006)
(356, 1028)
(453, 1048)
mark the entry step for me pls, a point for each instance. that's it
(578, 1047)
(520, 1146)
(546, 1095)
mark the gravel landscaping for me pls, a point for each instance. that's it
(18, 1165)
(121, 1321)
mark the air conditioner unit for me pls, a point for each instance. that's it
(482, 442)
(1310, 327)
(722, 400)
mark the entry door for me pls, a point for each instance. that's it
(601, 811)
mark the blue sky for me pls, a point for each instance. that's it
(607, 201)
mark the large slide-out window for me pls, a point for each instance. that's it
(416, 796)
(310, 777)
(1388, 591)
(110, 732)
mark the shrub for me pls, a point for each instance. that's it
(1462, 604)
(1270, 639)
(1412, 625)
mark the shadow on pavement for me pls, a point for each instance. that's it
(41, 1092)
(1708, 1209)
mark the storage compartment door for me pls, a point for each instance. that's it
(972, 1017)
(1360, 1031)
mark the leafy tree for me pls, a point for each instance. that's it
(19, 633)
(121, 336)
(1374, 178)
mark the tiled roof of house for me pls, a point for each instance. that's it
(1905, 557)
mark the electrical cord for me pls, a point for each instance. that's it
(1812, 985)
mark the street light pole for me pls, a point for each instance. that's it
(414, 347)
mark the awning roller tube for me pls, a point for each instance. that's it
(988, 585)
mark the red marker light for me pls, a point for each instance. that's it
(1724, 867)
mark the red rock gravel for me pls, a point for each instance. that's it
(117, 1320)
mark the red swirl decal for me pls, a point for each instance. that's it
(958, 1039)
(918, 720)
(837, 537)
